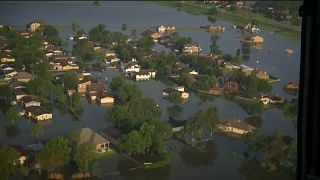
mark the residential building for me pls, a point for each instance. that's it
(293, 86)
(216, 28)
(261, 74)
(237, 126)
(166, 92)
(110, 53)
(191, 48)
(19, 93)
(83, 83)
(161, 29)
(144, 74)
(30, 100)
(177, 125)
(132, 66)
(38, 113)
(6, 58)
(257, 39)
(103, 98)
(22, 77)
(35, 25)
(101, 144)
(93, 89)
(266, 99)
(231, 87)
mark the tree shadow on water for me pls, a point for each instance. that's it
(12, 130)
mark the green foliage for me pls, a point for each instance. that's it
(175, 97)
(214, 48)
(55, 154)
(246, 49)
(42, 69)
(40, 85)
(149, 138)
(11, 115)
(84, 51)
(116, 83)
(84, 157)
(75, 27)
(213, 11)
(5, 91)
(133, 113)
(8, 156)
(73, 102)
(70, 80)
(205, 82)
(52, 35)
(201, 121)
(125, 92)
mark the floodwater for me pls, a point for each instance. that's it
(218, 161)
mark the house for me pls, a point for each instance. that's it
(266, 99)
(191, 48)
(155, 36)
(87, 135)
(166, 92)
(261, 74)
(112, 59)
(193, 72)
(36, 147)
(257, 39)
(26, 35)
(246, 69)
(132, 66)
(93, 89)
(83, 83)
(229, 66)
(71, 91)
(22, 77)
(6, 58)
(161, 29)
(231, 87)
(144, 75)
(30, 100)
(179, 88)
(19, 93)
(237, 126)
(9, 74)
(293, 86)
(289, 51)
(35, 25)
(103, 98)
(110, 53)
(38, 113)
(17, 85)
(170, 28)
(216, 28)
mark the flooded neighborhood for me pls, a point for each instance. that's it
(148, 90)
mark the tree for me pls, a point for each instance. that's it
(11, 115)
(246, 50)
(70, 80)
(214, 48)
(133, 143)
(55, 154)
(8, 156)
(84, 157)
(124, 27)
(5, 91)
(37, 131)
(116, 83)
(201, 121)
(128, 92)
(40, 85)
(175, 97)
(133, 33)
(213, 11)
(179, 44)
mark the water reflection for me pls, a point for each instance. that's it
(202, 155)
(253, 171)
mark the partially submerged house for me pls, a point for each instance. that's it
(38, 113)
(192, 48)
(30, 100)
(237, 126)
(273, 99)
(101, 144)
(293, 86)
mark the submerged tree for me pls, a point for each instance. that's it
(8, 156)
(11, 115)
